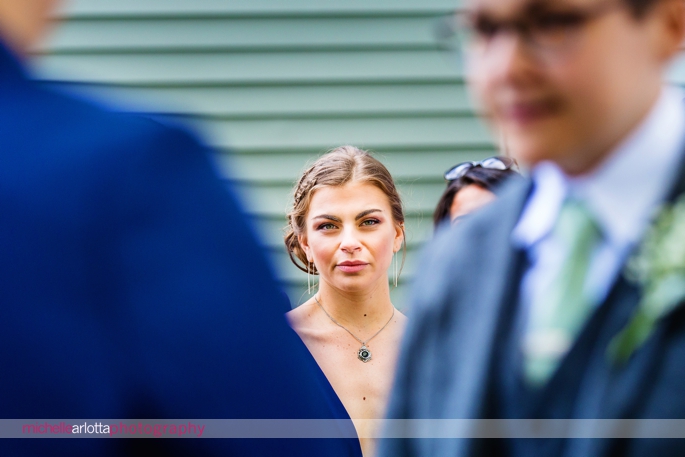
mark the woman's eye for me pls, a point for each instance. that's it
(326, 226)
(370, 222)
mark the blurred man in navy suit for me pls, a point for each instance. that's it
(130, 284)
(565, 299)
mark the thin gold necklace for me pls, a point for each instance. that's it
(364, 353)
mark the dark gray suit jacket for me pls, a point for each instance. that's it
(466, 289)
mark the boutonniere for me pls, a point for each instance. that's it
(658, 268)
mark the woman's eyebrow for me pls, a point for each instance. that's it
(368, 211)
(328, 216)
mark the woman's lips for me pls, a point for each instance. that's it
(352, 266)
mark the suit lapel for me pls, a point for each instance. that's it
(610, 391)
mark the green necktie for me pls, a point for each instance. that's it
(564, 307)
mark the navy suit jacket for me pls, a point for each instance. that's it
(466, 294)
(131, 286)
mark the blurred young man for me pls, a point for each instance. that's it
(532, 309)
(130, 284)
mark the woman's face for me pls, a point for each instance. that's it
(351, 236)
(468, 199)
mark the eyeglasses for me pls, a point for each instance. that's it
(545, 31)
(491, 163)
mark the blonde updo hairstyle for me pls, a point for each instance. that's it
(338, 167)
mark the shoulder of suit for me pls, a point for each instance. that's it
(495, 220)
(453, 260)
(99, 125)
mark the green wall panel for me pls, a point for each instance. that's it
(243, 34)
(193, 8)
(293, 101)
(371, 132)
(212, 67)
(418, 164)
(274, 84)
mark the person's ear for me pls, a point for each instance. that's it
(399, 237)
(302, 239)
(670, 19)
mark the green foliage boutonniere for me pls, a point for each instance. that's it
(658, 268)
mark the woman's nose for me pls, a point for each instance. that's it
(350, 241)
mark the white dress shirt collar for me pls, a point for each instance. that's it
(624, 190)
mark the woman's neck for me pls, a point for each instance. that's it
(357, 310)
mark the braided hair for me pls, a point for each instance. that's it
(336, 168)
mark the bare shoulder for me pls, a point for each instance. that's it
(301, 318)
(399, 322)
(400, 318)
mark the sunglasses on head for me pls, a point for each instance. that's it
(491, 163)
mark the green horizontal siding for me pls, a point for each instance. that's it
(274, 84)
(244, 34)
(259, 8)
(297, 101)
(418, 164)
(374, 132)
(212, 67)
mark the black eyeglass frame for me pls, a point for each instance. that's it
(531, 26)
(491, 163)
